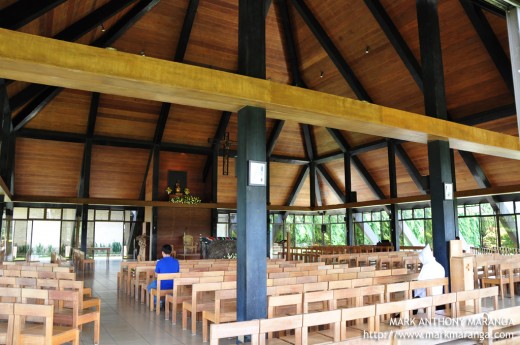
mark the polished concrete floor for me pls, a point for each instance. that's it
(124, 321)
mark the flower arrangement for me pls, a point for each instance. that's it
(185, 198)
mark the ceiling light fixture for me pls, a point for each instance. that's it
(142, 52)
(367, 50)
(321, 74)
(102, 28)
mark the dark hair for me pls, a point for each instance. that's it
(167, 249)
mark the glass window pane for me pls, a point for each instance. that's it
(233, 218)
(418, 213)
(486, 209)
(36, 213)
(320, 219)
(91, 214)
(222, 229)
(53, 213)
(488, 228)
(428, 212)
(90, 234)
(367, 216)
(460, 210)
(102, 214)
(223, 217)
(67, 239)
(507, 207)
(508, 231)
(469, 228)
(472, 210)
(385, 215)
(21, 241)
(129, 216)
(69, 214)
(277, 219)
(20, 213)
(116, 215)
(407, 214)
(338, 234)
(376, 216)
(298, 219)
(309, 219)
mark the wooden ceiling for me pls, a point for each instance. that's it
(54, 127)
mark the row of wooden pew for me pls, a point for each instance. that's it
(357, 324)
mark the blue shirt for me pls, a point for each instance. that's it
(167, 265)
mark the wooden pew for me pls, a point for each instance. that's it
(224, 310)
(235, 329)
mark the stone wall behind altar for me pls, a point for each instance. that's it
(172, 223)
(218, 248)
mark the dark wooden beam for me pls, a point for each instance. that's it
(267, 6)
(330, 182)
(329, 158)
(298, 185)
(397, 41)
(490, 41)
(490, 8)
(50, 135)
(365, 175)
(288, 160)
(22, 12)
(273, 138)
(344, 69)
(127, 21)
(93, 20)
(420, 181)
(290, 46)
(307, 141)
(392, 177)
(84, 181)
(217, 139)
(488, 115)
(375, 145)
(315, 194)
(6, 157)
(34, 107)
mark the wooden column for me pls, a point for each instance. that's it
(443, 216)
(251, 200)
(349, 197)
(394, 221)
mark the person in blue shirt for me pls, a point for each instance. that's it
(167, 264)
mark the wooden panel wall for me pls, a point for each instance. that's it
(44, 167)
(193, 165)
(174, 222)
(191, 126)
(117, 172)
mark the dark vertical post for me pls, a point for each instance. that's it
(251, 200)
(84, 227)
(443, 215)
(155, 191)
(394, 221)
(349, 196)
(312, 177)
(214, 189)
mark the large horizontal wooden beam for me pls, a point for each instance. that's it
(43, 60)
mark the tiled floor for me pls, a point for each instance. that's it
(123, 321)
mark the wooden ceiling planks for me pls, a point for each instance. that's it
(47, 167)
(214, 37)
(282, 178)
(191, 126)
(156, 34)
(290, 142)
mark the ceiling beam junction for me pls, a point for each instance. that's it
(397, 41)
(490, 41)
(333, 52)
(91, 21)
(331, 183)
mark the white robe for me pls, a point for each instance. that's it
(431, 269)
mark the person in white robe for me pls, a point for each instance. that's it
(431, 269)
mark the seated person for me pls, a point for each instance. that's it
(167, 264)
(431, 269)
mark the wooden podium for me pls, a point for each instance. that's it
(461, 268)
